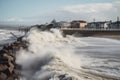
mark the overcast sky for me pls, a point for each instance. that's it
(42, 11)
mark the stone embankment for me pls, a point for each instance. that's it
(8, 67)
(91, 32)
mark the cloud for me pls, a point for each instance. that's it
(89, 8)
(100, 11)
(88, 11)
(117, 5)
(15, 20)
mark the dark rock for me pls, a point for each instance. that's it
(3, 76)
(61, 76)
(3, 67)
(64, 77)
(8, 68)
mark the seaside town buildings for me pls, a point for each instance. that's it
(115, 25)
(104, 24)
(78, 24)
(82, 24)
(89, 25)
(92, 25)
(98, 25)
(64, 24)
(61, 24)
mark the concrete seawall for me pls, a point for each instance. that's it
(91, 32)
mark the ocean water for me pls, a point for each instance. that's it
(50, 56)
(6, 37)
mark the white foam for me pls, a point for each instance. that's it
(48, 51)
(6, 37)
(50, 54)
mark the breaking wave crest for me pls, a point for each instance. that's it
(50, 56)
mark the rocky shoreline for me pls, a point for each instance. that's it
(8, 67)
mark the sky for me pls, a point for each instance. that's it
(30, 12)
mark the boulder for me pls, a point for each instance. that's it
(9, 70)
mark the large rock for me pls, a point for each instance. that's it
(8, 67)
(3, 76)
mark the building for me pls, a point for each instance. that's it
(78, 24)
(98, 25)
(115, 25)
(55, 24)
(64, 24)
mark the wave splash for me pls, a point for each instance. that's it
(50, 56)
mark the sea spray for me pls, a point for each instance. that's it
(51, 56)
(46, 57)
(48, 54)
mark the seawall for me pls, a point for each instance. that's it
(91, 32)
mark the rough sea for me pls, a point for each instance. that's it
(50, 56)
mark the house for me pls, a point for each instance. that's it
(78, 24)
(115, 25)
(98, 25)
